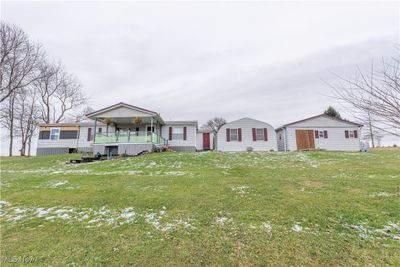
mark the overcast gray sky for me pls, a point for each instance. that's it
(196, 60)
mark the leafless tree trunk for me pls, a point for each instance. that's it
(27, 116)
(30, 145)
(7, 115)
(19, 59)
(376, 94)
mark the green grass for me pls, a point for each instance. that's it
(313, 208)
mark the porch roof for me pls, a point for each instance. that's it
(124, 113)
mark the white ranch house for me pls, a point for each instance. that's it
(127, 129)
(119, 129)
(319, 132)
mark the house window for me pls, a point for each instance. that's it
(55, 133)
(351, 134)
(44, 135)
(177, 133)
(321, 134)
(100, 130)
(234, 135)
(280, 136)
(73, 134)
(259, 134)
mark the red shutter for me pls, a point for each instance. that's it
(170, 133)
(346, 134)
(254, 134)
(316, 134)
(265, 134)
(355, 134)
(89, 134)
(184, 133)
(228, 135)
(240, 134)
(325, 134)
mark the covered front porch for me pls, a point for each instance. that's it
(126, 124)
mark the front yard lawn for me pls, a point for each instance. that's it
(310, 208)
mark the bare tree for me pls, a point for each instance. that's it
(80, 116)
(214, 124)
(27, 115)
(60, 93)
(376, 93)
(32, 89)
(19, 59)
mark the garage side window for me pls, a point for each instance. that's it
(55, 133)
(351, 134)
(321, 134)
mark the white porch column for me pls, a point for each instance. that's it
(151, 129)
(94, 132)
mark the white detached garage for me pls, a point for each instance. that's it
(319, 132)
(246, 133)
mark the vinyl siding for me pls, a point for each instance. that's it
(246, 124)
(336, 139)
(83, 132)
(199, 141)
(46, 143)
(322, 122)
(123, 112)
(45, 151)
(190, 136)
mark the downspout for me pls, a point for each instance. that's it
(77, 140)
(285, 138)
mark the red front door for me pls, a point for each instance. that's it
(206, 141)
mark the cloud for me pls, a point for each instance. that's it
(266, 60)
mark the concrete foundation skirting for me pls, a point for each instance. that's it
(128, 149)
(85, 149)
(44, 151)
(183, 148)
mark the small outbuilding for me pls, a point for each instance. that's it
(205, 140)
(246, 134)
(319, 132)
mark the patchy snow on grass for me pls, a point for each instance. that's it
(297, 227)
(223, 220)
(96, 217)
(175, 173)
(306, 159)
(58, 184)
(381, 194)
(4, 203)
(390, 230)
(266, 226)
(240, 189)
